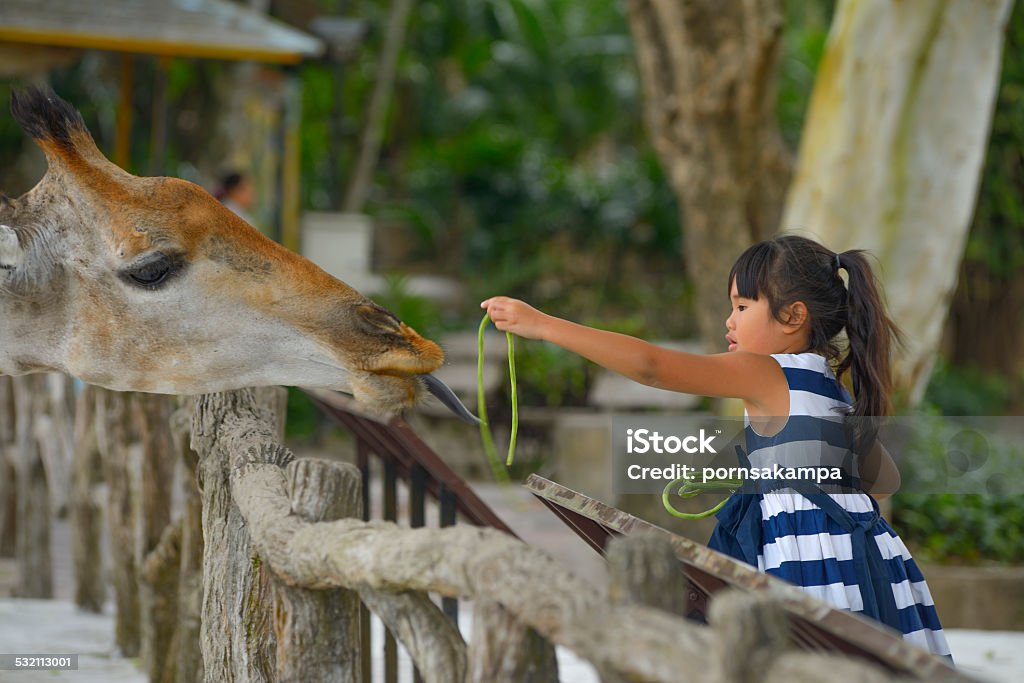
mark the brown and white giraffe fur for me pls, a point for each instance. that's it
(229, 307)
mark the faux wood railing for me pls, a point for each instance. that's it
(269, 587)
(276, 526)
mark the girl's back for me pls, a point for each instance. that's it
(818, 541)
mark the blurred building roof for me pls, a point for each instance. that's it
(215, 29)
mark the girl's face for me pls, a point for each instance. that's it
(752, 327)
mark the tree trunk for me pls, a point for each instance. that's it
(708, 69)
(892, 150)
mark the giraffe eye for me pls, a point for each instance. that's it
(153, 271)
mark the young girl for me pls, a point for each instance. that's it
(789, 304)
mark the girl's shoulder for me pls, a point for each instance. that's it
(804, 361)
(812, 376)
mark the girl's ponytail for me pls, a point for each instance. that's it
(871, 335)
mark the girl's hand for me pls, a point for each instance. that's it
(515, 316)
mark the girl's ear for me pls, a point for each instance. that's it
(794, 316)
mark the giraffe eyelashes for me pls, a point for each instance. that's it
(153, 270)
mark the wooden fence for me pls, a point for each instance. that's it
(261, 577)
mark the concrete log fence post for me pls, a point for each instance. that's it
(236, 624)
(188, 656)
(86, 506)
(35, 565)
(115, 437)
(8, 488)
(318, 631)
(157, 543)
(504, 650)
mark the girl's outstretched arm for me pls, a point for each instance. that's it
(752, 377)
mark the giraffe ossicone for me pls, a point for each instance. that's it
(150, 284)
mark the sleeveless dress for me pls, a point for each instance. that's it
(836, 547)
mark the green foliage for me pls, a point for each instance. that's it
(303, 418)
(965, 391)
(938, 463)
(419, 312)
(515, 153)
(961, 529)
(551, 376)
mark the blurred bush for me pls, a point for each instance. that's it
(962, 528)
(956, 390)
(959, 528)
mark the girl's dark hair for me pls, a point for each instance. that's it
(790, 268)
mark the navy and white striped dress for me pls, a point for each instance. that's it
(824, 547)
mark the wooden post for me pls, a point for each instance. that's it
(86, 507)
(158, 583)
(55, 432)
(158, 575)
(236, 634)
(755, 625)
(430, 637)
(35, 565)
(8, 483)
(318, 631)
(113, 431)
(504, 650)
(188, 655)
(643, 570)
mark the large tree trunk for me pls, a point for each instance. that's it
(892, 150)
(708, 69)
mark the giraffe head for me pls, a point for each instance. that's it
(150, 284)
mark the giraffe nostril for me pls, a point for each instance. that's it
(374, 318)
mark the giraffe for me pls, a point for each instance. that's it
(150, 284)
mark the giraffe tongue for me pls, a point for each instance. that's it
(445, 394)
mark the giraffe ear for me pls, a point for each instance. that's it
(10, 248)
